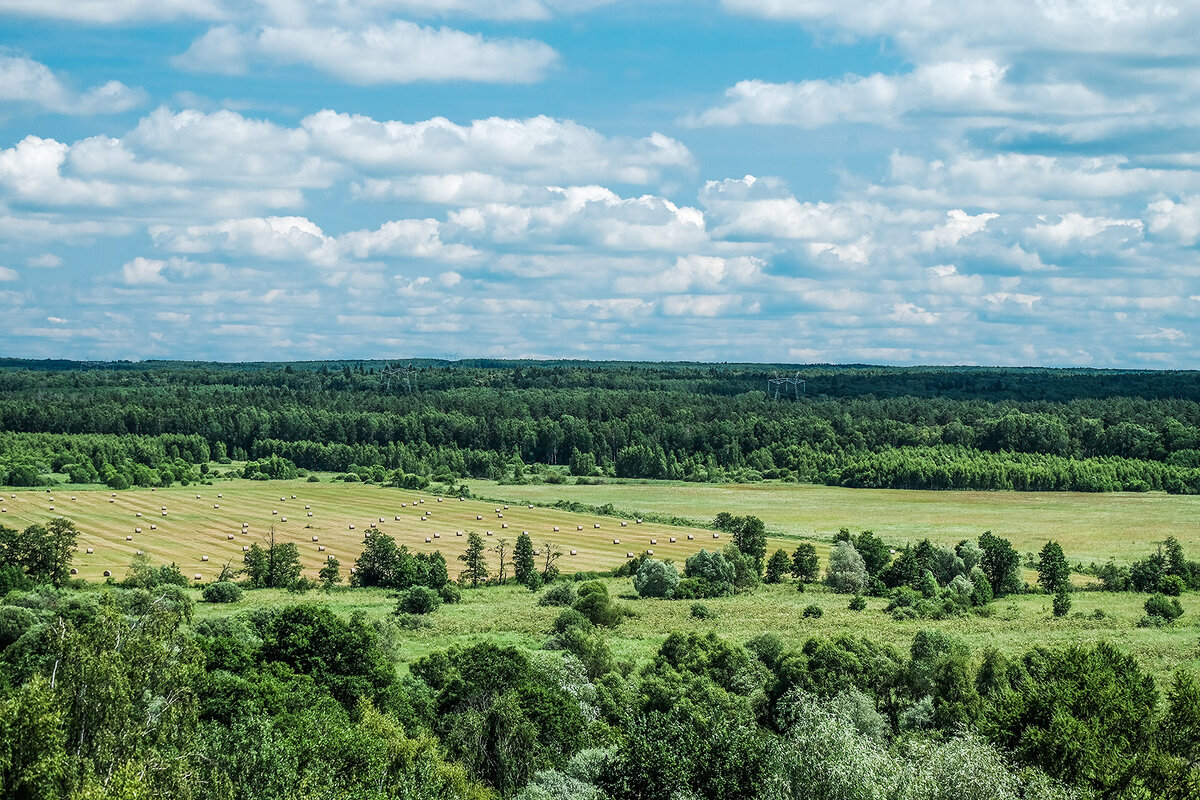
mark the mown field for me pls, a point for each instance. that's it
(1090, 527)
(207, 521)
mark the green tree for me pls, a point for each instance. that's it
(42, 552)
(777, 566)
(656, 578)
(523, 562)
(847, 573)
(1001, 564)
(1054, 573)
(805, 565)
(502, 551)
(750, 536)
(331, 573)
(475, 563)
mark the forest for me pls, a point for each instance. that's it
(156, 423)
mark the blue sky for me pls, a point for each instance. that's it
(916, 181)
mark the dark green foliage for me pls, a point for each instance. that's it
(41, 552)
(474, 562)
(559, 594)
(749, 535)
(813, 611)
(524, 565)
(708, 574)
(222, 592)
(777, 566)
(876, 555)
(275, 566)
(1062, 604)
(858, 603)
(701, 611)
(1000, 563)
(595, 604)
(331, 573)
(1054, 574)
(1166, 608)
(419, 600)
(805, 566)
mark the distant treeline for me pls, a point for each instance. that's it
(921, 428)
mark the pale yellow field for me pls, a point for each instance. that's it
(199, 522)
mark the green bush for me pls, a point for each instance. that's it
(1062, 604)
(701, 611)
(419, 600)
(1167, 608)
(1172, 585)
(222, 592)
(313, 479)
(570, 618)
(813, 612)
(858, 603)
(559, 594)
(656, 579)
(595, 604)
(450, 594)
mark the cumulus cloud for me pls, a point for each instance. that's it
(395, 52)
(7, 274)
(108, 12)
(1179, 221)
(27, 81)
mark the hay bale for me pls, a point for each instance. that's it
(629, 555)
(351, 527)
(489, 533)
(216, 505)
(229, 536)
(74, 571)
(437, 536)
(690, 537)
(616, 541)
(197, 497)
(530, 505)
(108, 573)
(129, 538)
(283, 519)
(422, 500)
(458, 533)
(273, 513)
(381, 519)
(293, 497)
(499, 516)
(428, 540)
(52, 508)
(477, 516)
(525, 532)
(503, 524)
(204, 558)
(439, 499)
(137, 530)
(353, 570)
(111, 500)
(138, 514)
(283, 499)
(245, 549)
(220, 495)
(330, 557)
(89, 550)
(639, 521)
(197, 577)
(306, 508)
(649, 552)
(374, 525)
(574, 552)
(537, 552)
(404, 505)
(506, 508)
(164, 513)
(73, 497)
(3, 510)
(716, 536)
(654, 541)
(153, 527)
(596, 526)
(578, 527)
(462, 499)
(310, 513)
(623, 523)
(320, 548)
(556, 529)
(672, 540)
(164, 508)
(314, 538)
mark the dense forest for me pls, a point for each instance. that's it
(154, 423)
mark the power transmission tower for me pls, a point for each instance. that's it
(797, 383)
(399, 373)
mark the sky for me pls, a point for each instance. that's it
(893, 182)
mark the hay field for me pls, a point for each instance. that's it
(200, 521)
(1090, 527)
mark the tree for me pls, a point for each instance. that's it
(847, 573)
(777, 566)
(750, 536)
(501, 551)
(1054, 574)
(522, 560)
(419, 600)
(475, 563)
(275, 566)
(549, 557)
(1000, 563)
(42, 552)
(1062, 603)
(376, 565)
(331, 573)
(875, 553)
(805, 565)
(655, 578)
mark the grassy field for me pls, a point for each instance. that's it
(1090, 527)
(206, 521)
(511, 614)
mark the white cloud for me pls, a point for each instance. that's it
(107, 12)
(1073, 228)
(28, 81)
(394, 52)
(959, 224)
(1176, 221)
(141, 271)
(44, 261)
(7, 274)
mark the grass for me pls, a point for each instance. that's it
(510, 614)
(1090, 527)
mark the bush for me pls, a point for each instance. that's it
(800, 587)
(1062, 604)
(222, 592)
(858, 603)
(847, 571)
(656, 579)
(313, 479)
(570, 618)
(1172, 585)
(813, 612)
(1167, 608)
(450, 594)
(701, 611)
(559, 594)
(595, 604)
(419, 600)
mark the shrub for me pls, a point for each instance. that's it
(450, 594)
(813, 612)
(559, 594)
(419, 600)
(847, 571)
(313, 479)
(1167, 608)
(595, 604)
(858, 603)
(800, 587)
(701, 611)
(656, 579)
(1172, 585)
(570, 618)
(222, 592)
(1062, 604)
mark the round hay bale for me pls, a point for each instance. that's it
(404, 505)
(164, 508)
(3, 510)
(437, 536)
(525, 532)
(216, 505)
(422, 500)
(307, 507)
(623, 523)
(530, 505)
(716, 536)
(108, 573)
(353, 570)
(229, 536)
(293, 497)
(52, 508)
(462, 499)
(654, 541)
(220, 495)
(309, 513)
(374, 525)
(197, 497)
(74, 571)
(428, 540)
(649, 552)
(506, 508)
(74, 498)
(330, 557)
(245, 549)
(397, 517)
(672, 540)
(89, 550)
(503, 524)
(283, 499)
(489, 533)
(439, 499)
(574, 552)
(381, 519)
(596, 526)
(153, 527)
(691, 536)
(273, 512)
(138, 514)
(616, 541)
(578, 527)
(629, 555)
(351, 527)
(197, 577)
(556, 529)
(458, 533)
(639, 521)
(164, 513)
(477, 516)
(499, 516)
(204, 558)
(129, 538)
(137, 530)
(537, 552)
(320, 548)
(245, 524)
(111, 500)
(283, 519)
(314, 538)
